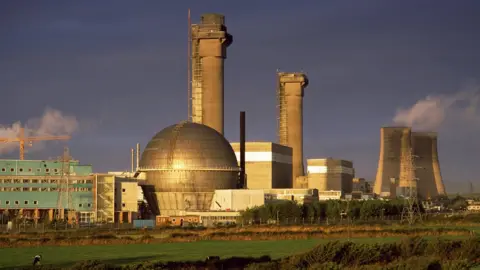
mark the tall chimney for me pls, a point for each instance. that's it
(243, 183)
(138, 156)
(210, 40)
(132, 158)
(290, 127)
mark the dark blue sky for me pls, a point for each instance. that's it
(120, 68)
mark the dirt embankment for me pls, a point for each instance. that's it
(245, 233)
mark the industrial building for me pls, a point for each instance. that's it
(184, 165)
(408, 160)
(290, 92)
(330, 174)
(300, 195)
(267, 165)
(47, 189)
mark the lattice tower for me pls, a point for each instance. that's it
(197, 79)
(63, 185)
(411, 209)
(282, 113)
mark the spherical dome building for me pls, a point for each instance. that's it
(184, 164)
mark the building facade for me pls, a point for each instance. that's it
(267, 165)
(47, 189)
(330, 174)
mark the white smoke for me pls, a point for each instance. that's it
(436, 111)
(52, 123)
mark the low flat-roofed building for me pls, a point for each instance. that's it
(329, 195)
(330, 174)
(303, 195)
(237, 199)
(267, 165)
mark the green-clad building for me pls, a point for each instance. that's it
(36, 189)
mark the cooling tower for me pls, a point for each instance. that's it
(290, 123)
(209, 41)
(430, 183)
(395, 143)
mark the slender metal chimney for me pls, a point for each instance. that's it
(132, 158)
(138, 156)
(243, 183)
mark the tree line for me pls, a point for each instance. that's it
(321, 210)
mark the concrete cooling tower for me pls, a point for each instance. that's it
(290, 93)
(209, 42)
(420, 170)
(430, 183)
(394, 143)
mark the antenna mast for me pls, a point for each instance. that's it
(411, 209)
(189, 76)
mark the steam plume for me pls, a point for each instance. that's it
(435, 111)
(52, 123)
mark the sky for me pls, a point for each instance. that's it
(114, 73)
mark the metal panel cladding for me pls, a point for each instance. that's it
(188, 158)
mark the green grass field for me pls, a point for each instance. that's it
(136, 253)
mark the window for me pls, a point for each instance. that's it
(35, 202)
(26, 202)
(47, 170)
(30, 169)
(88, 181)
(34, 188)
(16, 202)
(53, 181)
(7, 202)
(26, 181)
(20, 170)
(16, 181)
(26, 189)
(55, 170)
(80, 205)
(89, 205)
(39, 169)
(34, 181)
(44, 181)
(123, 190)
(12, 169)
(173, 220)
(4, 170)
(123, 204)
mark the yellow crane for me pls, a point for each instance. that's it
(21, 139)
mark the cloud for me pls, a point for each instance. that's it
(51, 123)
(443, 111)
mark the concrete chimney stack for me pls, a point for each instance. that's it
(138, 156)
(290, 127)
(210, 40)
(132, 158)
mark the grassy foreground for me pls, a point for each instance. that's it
(136, 253)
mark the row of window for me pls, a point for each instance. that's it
(44, 189)
(18, 203)
(29, 170)
(36, 203)
(42, 181)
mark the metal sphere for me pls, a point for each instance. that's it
(185, 160)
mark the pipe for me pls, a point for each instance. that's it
(132, 157)
(243, 183)
(138, 156)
